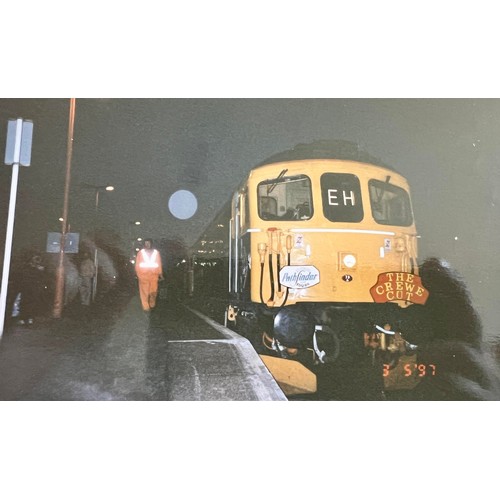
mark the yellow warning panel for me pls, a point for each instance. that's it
(292, 376)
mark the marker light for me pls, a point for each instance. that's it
(349, 260)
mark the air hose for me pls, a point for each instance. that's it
(271, 270)
(288, 251)
(262, 252)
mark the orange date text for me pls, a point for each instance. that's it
(410, 369)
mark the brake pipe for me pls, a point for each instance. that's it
(384, 330)
(270, 233)
(288, 251)
(261, 248)
(278, 264)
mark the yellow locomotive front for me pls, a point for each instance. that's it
(325, 254)
(326, 229)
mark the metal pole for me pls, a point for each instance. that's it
(96, 262)
(10, 224)
(59, 291)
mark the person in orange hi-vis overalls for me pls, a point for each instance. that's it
(148, 269)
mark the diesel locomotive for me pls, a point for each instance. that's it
(315, 257)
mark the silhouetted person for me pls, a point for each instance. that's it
(87, 273)
(32, 287)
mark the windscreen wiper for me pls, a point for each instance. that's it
(275, 181)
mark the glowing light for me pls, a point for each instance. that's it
(349, 260)
(183, 204)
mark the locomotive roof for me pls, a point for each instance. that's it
(326, 150)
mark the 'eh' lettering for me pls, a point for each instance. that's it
(346, 197)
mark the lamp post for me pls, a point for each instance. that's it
(59, 288)
(97, 190)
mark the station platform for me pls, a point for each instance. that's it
(116, 352)
(226, 368)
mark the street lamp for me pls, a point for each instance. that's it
(97, 190)
(100, 188)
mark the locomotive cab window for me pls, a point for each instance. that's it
(390, 204)
(285, 198)
(341, 195)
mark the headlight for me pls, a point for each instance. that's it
(349, 260)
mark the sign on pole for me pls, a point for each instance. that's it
(17, 151)
(26, 139)
(71, 242)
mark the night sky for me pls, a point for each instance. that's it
(150, 148)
